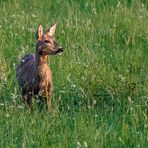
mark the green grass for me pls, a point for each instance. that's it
(100, 96)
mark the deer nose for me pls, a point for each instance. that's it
(61, 49)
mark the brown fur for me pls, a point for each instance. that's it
(33, 73)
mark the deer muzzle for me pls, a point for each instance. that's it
(60, 51)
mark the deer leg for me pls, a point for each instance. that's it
(48, 102)
(41, 103)
(27, 100)
(47, 98)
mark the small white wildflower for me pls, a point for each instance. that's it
(33, 15)
(114, 25)
(130, 100)
(2, 104)
(10, 27)
(94, 11)
(23, 28)
(127, 70)
(20, 107)
(96, 115)
(85, 144)
(78, 144)
(7, 115)
(68, 107)
(13, 15)
(142, 5)
(131, 108)
(140, 17)
(138, 146)
(89, 106)
(79, 103)
(73, 85)
(68, 77)
(14, 65)
(62, 91)
(121, 78)
(94, 102)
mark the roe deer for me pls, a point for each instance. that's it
(33, 73)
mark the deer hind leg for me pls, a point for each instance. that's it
(27, 100)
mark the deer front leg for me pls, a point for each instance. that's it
(48, 96)
(41, 102)
(45, 99)
(48, 102)
(45, 102)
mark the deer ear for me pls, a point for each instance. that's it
(39, 33)
(51, 30)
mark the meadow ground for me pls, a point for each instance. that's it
(100, 96)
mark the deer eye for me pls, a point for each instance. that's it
(47, 41)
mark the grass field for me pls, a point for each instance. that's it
(100, 96)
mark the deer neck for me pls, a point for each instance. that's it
(41, 60)
(41, 64)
